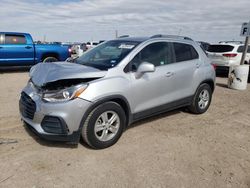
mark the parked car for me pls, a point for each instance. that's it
(79, 49)
(90, 45)
(18, 49)
(226, 54)
(115, 84)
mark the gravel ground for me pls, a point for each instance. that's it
(175, 149)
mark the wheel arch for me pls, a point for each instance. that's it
(50, 54)
(210, 82)
(119, 99)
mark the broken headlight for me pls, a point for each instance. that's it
(64, 94)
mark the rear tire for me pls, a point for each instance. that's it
(50, 59)
(201, 100)
(100, 130)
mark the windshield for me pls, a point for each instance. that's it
(107, 55)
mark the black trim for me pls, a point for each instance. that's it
(54, 125)
(208, 81)
(71, 139)
(103, 100)
(162, 108)
(27, 106)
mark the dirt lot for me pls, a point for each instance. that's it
(176, 149)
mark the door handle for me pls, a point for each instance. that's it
(28, 47)
(169, 74)
(1, 47)
(198, 65)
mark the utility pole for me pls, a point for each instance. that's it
(44, 38)
(243, 57)
(180, 30)
(116, 33)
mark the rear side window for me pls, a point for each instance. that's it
(241, 48)
(15, 39)
(220, 48)
(184, 52)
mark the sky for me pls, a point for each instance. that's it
(94, 20)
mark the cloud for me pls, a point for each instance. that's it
(84, 20)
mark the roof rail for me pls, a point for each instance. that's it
(171, 36)
(123, 36)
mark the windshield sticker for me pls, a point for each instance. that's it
(126, 46)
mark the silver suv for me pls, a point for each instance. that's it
(115, 84)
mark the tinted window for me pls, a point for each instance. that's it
(220, 48)
(157, 53)
(15, 39)
(184, 52)
(241, 48)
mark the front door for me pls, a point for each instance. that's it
(15, 51)
(152, 89)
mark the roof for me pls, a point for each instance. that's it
(13, 33)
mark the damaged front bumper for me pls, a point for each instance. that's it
(52, 121)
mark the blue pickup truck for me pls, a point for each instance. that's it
(18, 49)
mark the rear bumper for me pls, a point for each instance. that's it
(225, 63)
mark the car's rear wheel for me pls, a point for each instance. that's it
(202, 99)
(50, 59)
(104, 125)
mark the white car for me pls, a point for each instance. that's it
(226, 54)
(91, 44)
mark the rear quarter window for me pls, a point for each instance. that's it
(220, 48)
(15, 39)
(184, 52)
(241, 48)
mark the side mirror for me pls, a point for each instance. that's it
(144, 67)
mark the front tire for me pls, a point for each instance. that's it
(201, 100)
(104, 125)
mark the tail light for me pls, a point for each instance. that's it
(229, 55)
(214, 66)
(70, 51)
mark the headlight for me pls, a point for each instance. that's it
(65, 94)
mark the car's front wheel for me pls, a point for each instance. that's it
(104, 125)
(202, 99)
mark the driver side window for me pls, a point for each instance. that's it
(158, 54)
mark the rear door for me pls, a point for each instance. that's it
(185, 70)
(16, 50)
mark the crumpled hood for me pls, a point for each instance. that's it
(43, 73)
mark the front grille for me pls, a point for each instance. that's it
(27, 106)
